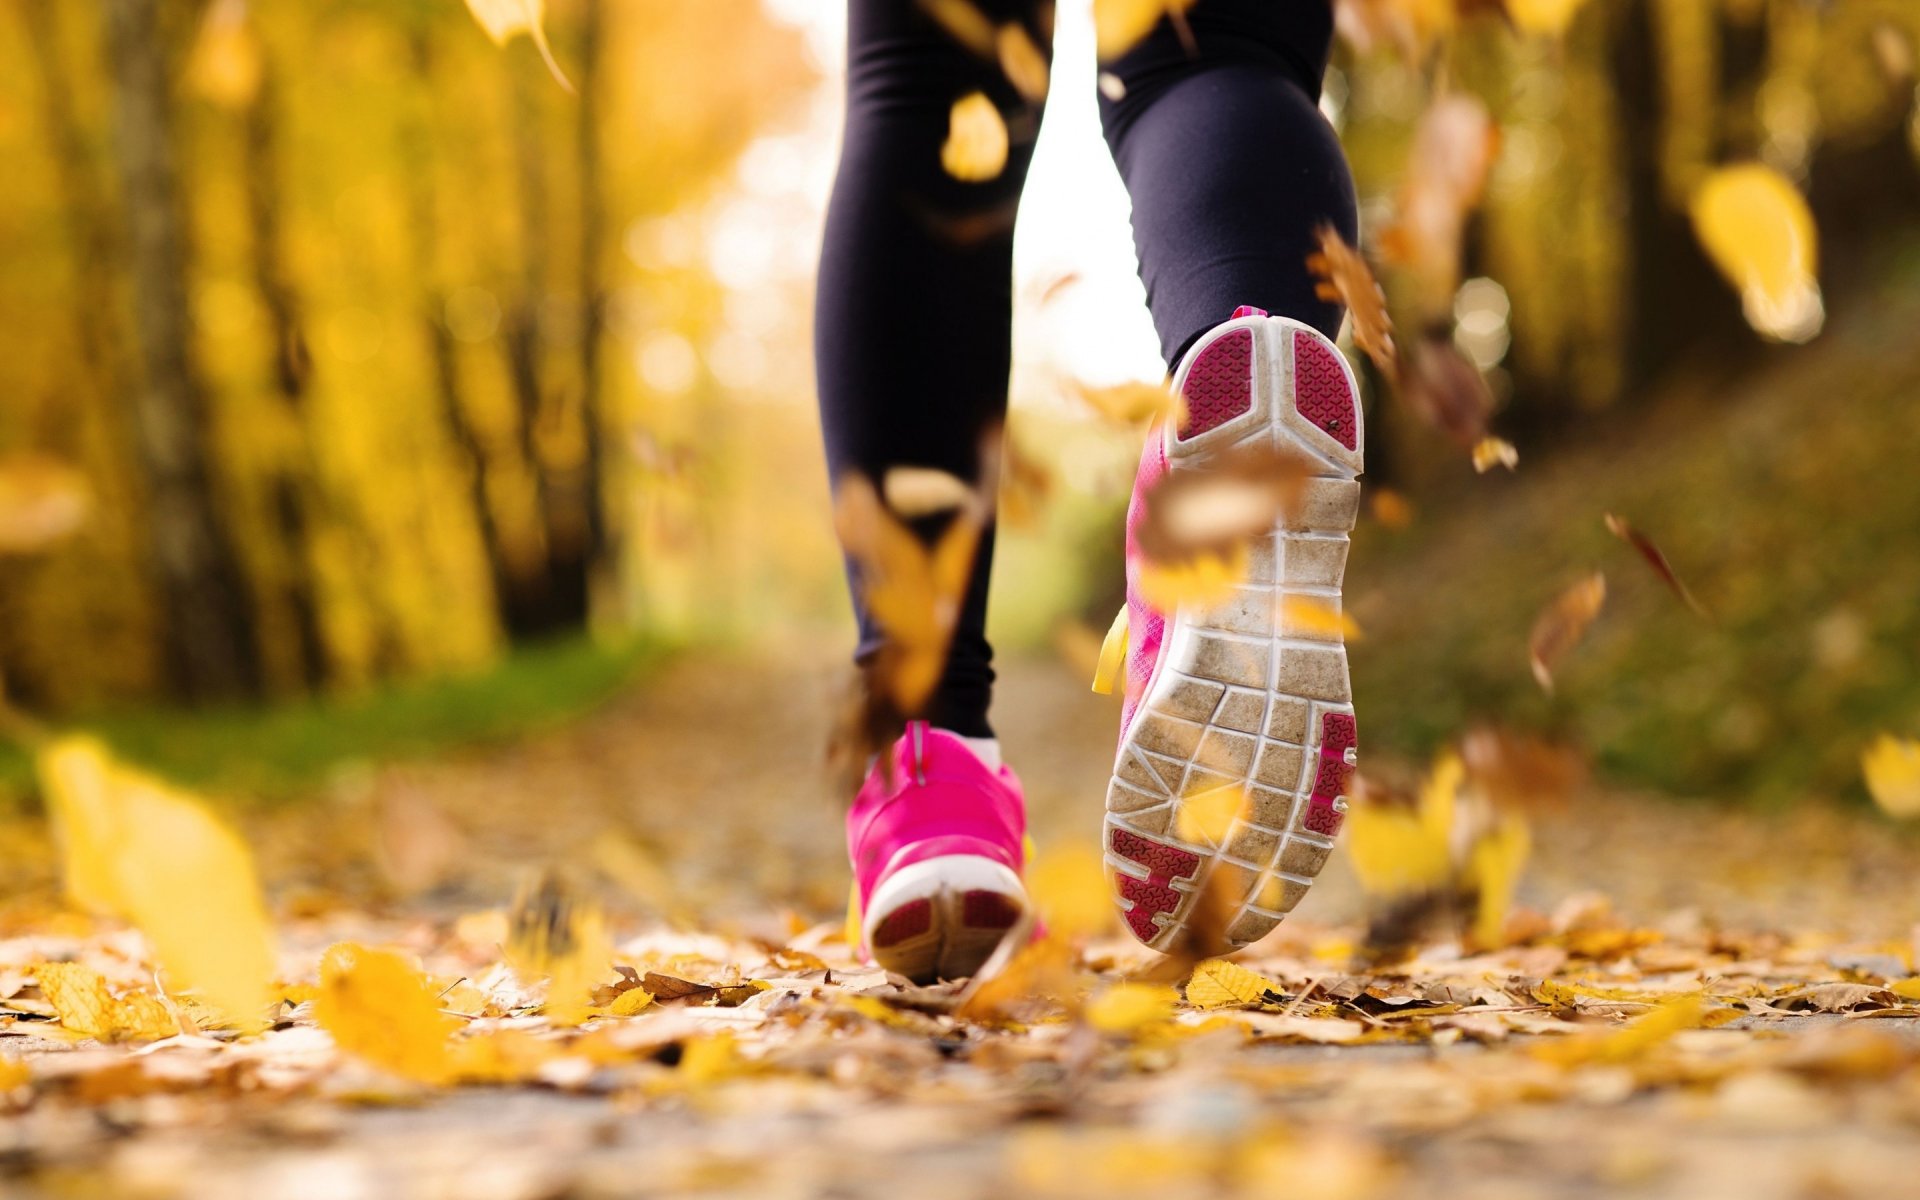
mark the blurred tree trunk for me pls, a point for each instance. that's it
(295, 484)
(593, 288)
(210, 642)
(543, 415)
(1676, 304)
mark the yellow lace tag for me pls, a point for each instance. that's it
(1113, 655)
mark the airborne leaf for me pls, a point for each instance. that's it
(504, 20)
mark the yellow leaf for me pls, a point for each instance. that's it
(1758, 230)
(134, 846)
(1206, 578)
(379, 1007)
(551, 932)
(1395, 851)
(1022, 62)
(1314, 617)
(13, 1074)
(1218, 983)
(1069, 890)
(1134, 403)
(1548, 18)
(1207, 816)
(1129, 1007)
(1493, 874)
(1119, 24)
(630, 1002)
(506, 19)
(710, 1059)
(1641, 1035)
(1113, 654)
(1892, 768)
(84, 1004)
(1491, 452)
(1906, 989)
(976, 145)
(500, 1056)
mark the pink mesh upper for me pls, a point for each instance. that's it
(1146, 628)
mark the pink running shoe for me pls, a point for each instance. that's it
(936, 858)
(1234, 693)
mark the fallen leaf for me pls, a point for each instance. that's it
(1562, 624)
(553, 933)
(381, 1008)
(1127, 1008)
(1217, 983)
(83, 1002)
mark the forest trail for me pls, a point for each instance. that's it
(1705, 1006)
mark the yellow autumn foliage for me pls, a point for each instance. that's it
(86, 1005)
(380, 1007)
(1758, 230)
(1218, 983)
(976, 146)
(1892, 769)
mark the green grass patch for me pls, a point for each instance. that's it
(273, 752)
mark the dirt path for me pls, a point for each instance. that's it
(1730, 1029)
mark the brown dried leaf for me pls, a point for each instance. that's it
(1216, 511)
(1445, 390)
(1341, 274)
(1655, 559)
(1563, 623)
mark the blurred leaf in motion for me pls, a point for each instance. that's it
(379, 1007)
(1069, 890)
(1454, 147)
(1342, 275)
(1129, 1008)
(976, 146)
(1758, 229)
(1207, 816)
(135, 847)
(1134, 404)
(83, 1003)
(1654, 558)
(1313, 617)
(552, 932)
(1892, 769)
(42, 500)
(225, 66)
(1562, 624)
(1118, 25)
(964, 23)
(1026, 486)
(1022, 62)
(1491, 452)
(506, 19)
(1445, 390)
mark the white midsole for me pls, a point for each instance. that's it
(928, 878)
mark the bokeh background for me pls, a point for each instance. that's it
(378, 396)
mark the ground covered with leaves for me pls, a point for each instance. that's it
(1682, 1001)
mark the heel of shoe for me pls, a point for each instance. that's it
(942, 917)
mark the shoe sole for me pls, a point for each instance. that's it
(1245, 693)
(942, 918)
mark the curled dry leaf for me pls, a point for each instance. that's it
(506, 19)
(1445, 390)
(1654, 558)
(1491, 452)
(1342, 275)
(42, 500)
(1891, 766)
(976, 146)
(1453, 149)
(1022, 62)
(1562, 624)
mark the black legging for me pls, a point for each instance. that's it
(1230, 167)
